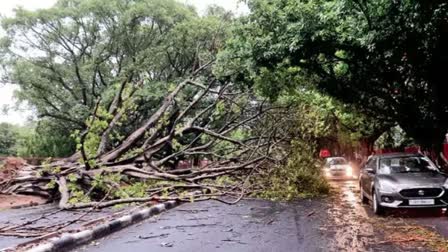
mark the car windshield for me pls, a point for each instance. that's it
(406, 165)
(337, 161)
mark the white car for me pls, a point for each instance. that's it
(338, 168)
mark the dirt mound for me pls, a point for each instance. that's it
(10, 166)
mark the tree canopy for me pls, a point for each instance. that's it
(386, 57)
(68, 57)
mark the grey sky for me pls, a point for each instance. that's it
(6, 9)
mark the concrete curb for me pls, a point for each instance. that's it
(71, 240)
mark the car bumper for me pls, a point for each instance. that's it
(339, 175)
(400, 202)
(399, 205)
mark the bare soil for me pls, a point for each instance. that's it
(16, 201)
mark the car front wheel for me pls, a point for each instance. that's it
(376, 207)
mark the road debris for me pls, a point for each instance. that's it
(153, 236)
(167, 244)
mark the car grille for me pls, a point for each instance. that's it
(417, 193)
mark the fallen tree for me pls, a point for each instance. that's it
(227, 133)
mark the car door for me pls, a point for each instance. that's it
(368, 175)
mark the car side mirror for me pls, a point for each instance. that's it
(369, 170)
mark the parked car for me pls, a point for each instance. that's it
(402, 180)
(337, 168)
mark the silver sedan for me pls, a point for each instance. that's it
(402, 180)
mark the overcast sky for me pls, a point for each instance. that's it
(6, 9)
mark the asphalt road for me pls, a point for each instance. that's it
(53, 217)
(359, 228)
(16, 216)
(337, 223)
(432, 218)
(251, 225)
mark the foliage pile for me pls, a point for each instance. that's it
(237, 142)
(300, 177)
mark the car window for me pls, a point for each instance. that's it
(337, 161)
(406, 165)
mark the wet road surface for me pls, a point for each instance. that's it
(16, 216)
(53, 216)
(250, 225)
(433, 218)
(337, 223)
(359, 228)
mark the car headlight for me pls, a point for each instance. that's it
(387, 188)
(349, 171)
(446, 184)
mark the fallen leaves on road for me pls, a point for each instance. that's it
(412, 236)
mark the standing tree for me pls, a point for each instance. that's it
(67, 58)
(8, 139)
(386, 57)
(46, 138)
